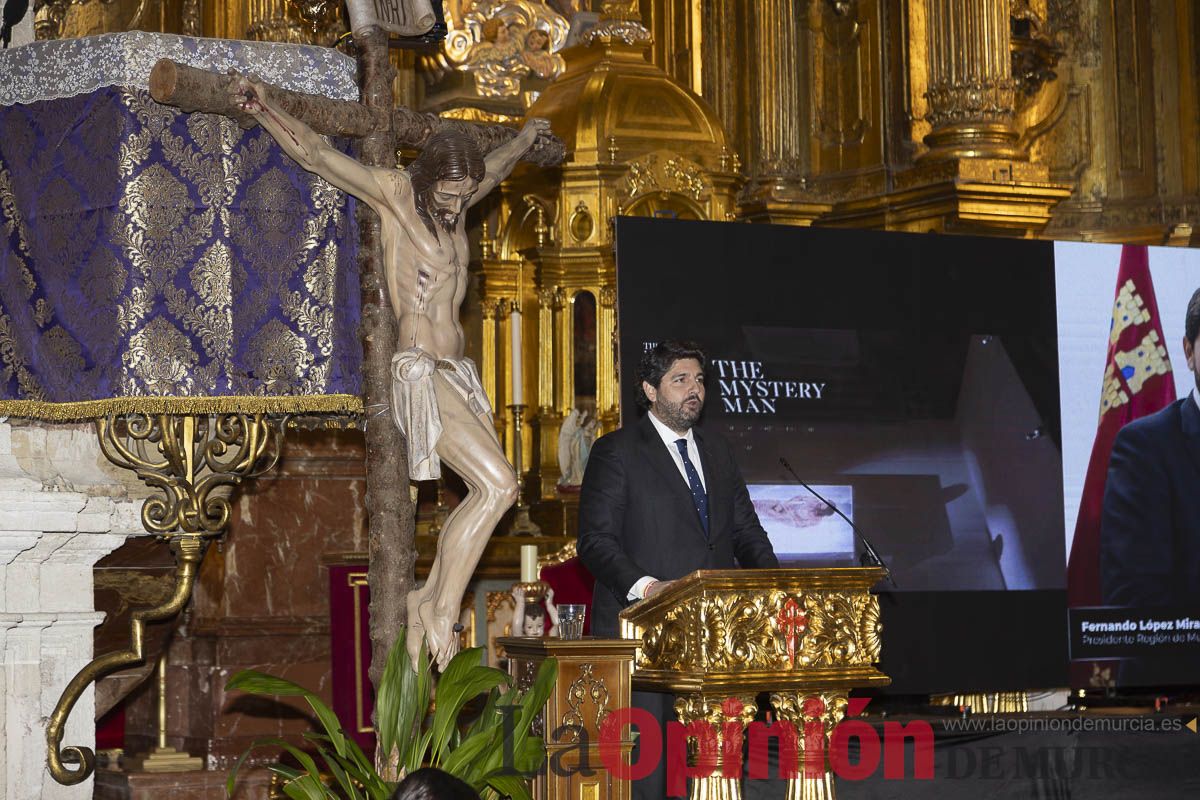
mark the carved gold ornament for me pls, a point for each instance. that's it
(501, 42)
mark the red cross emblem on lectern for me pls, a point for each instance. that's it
(792, 623)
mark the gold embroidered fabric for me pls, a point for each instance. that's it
(163, 262)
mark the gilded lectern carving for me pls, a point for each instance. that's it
(718, 638)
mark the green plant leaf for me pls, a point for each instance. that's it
(463, 679)
(416, 755)
(357, 766)
(336, 767)
(306, 787)
(489, 718)
(509, 785)
(525, 707)
(257, 744)
(256, 682)
(465, 761)
(287, 773)
(390, 696)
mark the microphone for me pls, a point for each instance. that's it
(870, 553)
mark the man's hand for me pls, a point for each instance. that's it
(248, 95)
(534, 127)
(656, 587)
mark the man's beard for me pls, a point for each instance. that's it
(446, 220)
(678, 416)
(432, 215)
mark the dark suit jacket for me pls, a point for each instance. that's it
(637, 518)
(1150, 529)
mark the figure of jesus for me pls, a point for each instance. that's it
(437, 399)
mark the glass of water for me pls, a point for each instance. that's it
(570, 620)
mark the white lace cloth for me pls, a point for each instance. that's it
(58, 68)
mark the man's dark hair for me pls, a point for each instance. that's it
(1191, 325)
(657, 360)
(429, 783)
(448, 155)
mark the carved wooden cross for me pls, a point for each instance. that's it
(382, 129)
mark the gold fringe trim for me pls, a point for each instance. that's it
(247, 404)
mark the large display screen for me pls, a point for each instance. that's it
(913, 381)
(1131, 463)
(914, 378)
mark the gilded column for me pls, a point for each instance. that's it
(971, 91)
(779, 132)
(503, 394)
(716, 712)
(545, 344)
(813, 716)
(488, 349)
(606, 370)
(564, 356)
(548, 418)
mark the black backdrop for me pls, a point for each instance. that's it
(885, 323)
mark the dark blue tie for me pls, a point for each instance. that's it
(699, 496)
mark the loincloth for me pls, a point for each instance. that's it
(415, 406)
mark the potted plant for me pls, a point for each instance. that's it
(409, 736)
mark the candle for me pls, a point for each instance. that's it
(529, 567)
(515, 390)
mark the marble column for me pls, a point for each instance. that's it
(63, 510)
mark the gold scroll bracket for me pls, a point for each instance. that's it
(193, 462)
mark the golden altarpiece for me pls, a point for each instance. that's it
(1070, 119)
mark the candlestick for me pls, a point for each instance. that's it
(521, 523)
(529, 568)
(163, 758)
(516, 392)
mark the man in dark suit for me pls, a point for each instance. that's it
(1150, 529)
(661, 499)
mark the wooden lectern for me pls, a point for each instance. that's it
(593, 681)
(718, 638)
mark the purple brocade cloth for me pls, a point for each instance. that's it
(163, 262)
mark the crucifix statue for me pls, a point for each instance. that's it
(437, 399)
(414, 256)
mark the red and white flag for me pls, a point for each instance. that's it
(1137, 382)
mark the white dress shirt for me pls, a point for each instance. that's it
(669, 437)
(1195, 396)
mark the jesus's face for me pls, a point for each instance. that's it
(448, 199)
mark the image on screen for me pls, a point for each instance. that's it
(800, 526)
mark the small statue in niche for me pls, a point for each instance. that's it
(529, 619)
(575, 439)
